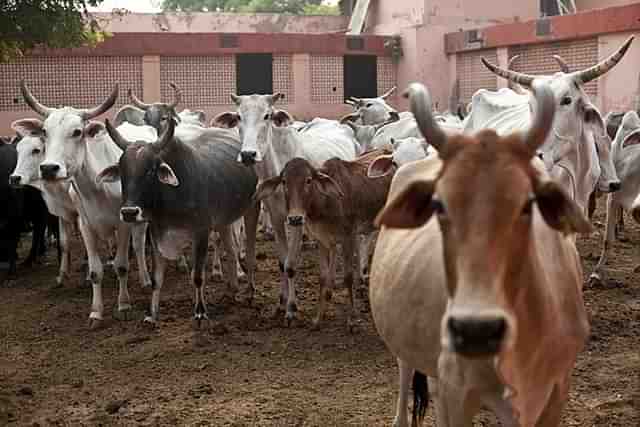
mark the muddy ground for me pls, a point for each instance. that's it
(251, 370)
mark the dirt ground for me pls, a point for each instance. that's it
(251, 370)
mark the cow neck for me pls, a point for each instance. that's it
(275, 159)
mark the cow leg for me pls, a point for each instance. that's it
(454, 407)
(251, 228)
(281, 245)
(159, 269)
(96, 273)
(121, 266)
(238, 245)
(365, 249)
(325, 277)
(230, 262)
(216, 266)
(620, 227)
(294, 242)
(609, 235)
(198, 277)
(66, 229)
(349, 253)
(404, 377)
(139, 237)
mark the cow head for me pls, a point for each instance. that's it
(65, 131)
(576, 115)
(489, 200)
(30, 149)
(372, 111)
(189, 117)
(158, 114)
(305, 189)
(364, 133)
(140, 170)
(255, 117)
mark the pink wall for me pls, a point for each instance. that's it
(582, 5)
(619, 89)
(221, 22)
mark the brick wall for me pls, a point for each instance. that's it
(472, 75)
(327, 79)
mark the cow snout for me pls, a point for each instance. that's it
(614, 186)
(295, 220)
(49, 171)
(248, 157)
(131, 214)
(15, 180)
(477, 337)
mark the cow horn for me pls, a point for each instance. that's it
(357, 101)
(108, 103)
(513, 59)
(543, 118)
(177, 95)
(135, 101)
(585, 76)
(272, 99)
(116, 136)
(513, 76)
(562, 63)
(388, 93)
(32, 101)
(166, 139)
(421, 107)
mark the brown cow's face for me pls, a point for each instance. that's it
(483, 200)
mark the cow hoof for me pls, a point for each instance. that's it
(315, 325)
(595, 279)
(95, 323)
(200, 322)
(59, 283)
(277, 313)
(124, 314)
(289, 318)
(150, 322)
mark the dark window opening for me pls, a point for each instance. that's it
(254, 73)
(549, 8)
(360, 76)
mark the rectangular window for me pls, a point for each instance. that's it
(360, 76)
(254, 73)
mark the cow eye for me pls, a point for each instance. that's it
(267, 116)
(369, 105)
(308, 180)
(566, 100)
(76, 133)
(438, 207)
(36, 151)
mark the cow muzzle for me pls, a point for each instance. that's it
(476, 336)
(295, 220)
(131, 214)
(248, 157)
(50, 172)
(15, 180)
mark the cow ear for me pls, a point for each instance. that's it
(281, 118)
(202, 116)
(267, 188)
(109, 174)
(94, 128)
(381, 166)
(410, 208)
(559, 211)
(593, 118)
(227, 120)
(166, 175)
(328, 186)
(631, 139)
(28, 127)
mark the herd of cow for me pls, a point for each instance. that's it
(475, 281)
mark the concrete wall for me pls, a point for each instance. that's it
(583, 5)
(201, 22)
(619, 89)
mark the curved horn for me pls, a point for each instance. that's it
(421, 108)
(562, 63)
(513, 59)
(135, 101)
(543, 118)
(513, 76)
(32, 101)
(272, 99)
(177, 95)
(388, 93)
(108, 103)
(165, 141)
(116, 136)
(585, 76)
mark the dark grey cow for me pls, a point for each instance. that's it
(155, 114)
(184, 189)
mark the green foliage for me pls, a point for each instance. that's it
(294, 7)
(26, 24)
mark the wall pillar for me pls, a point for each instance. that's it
(151, 79)
(503, 60)
(301, 64)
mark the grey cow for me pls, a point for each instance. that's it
(184, 189)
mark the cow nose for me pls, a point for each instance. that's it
(295, 220)
(477, 337)
(393, 115)
(130, 214)
(14, 180)
(248, 157)
(49, 171)
(614, 186)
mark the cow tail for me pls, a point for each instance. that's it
(420, 398)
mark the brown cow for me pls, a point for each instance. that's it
(476, 281)
(336, 203)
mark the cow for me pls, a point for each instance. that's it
(268, 143)
(183, 190)
(476, 281)
(626, 157)
(576, 152)
(335, 203)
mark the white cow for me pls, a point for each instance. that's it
(268, 143)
